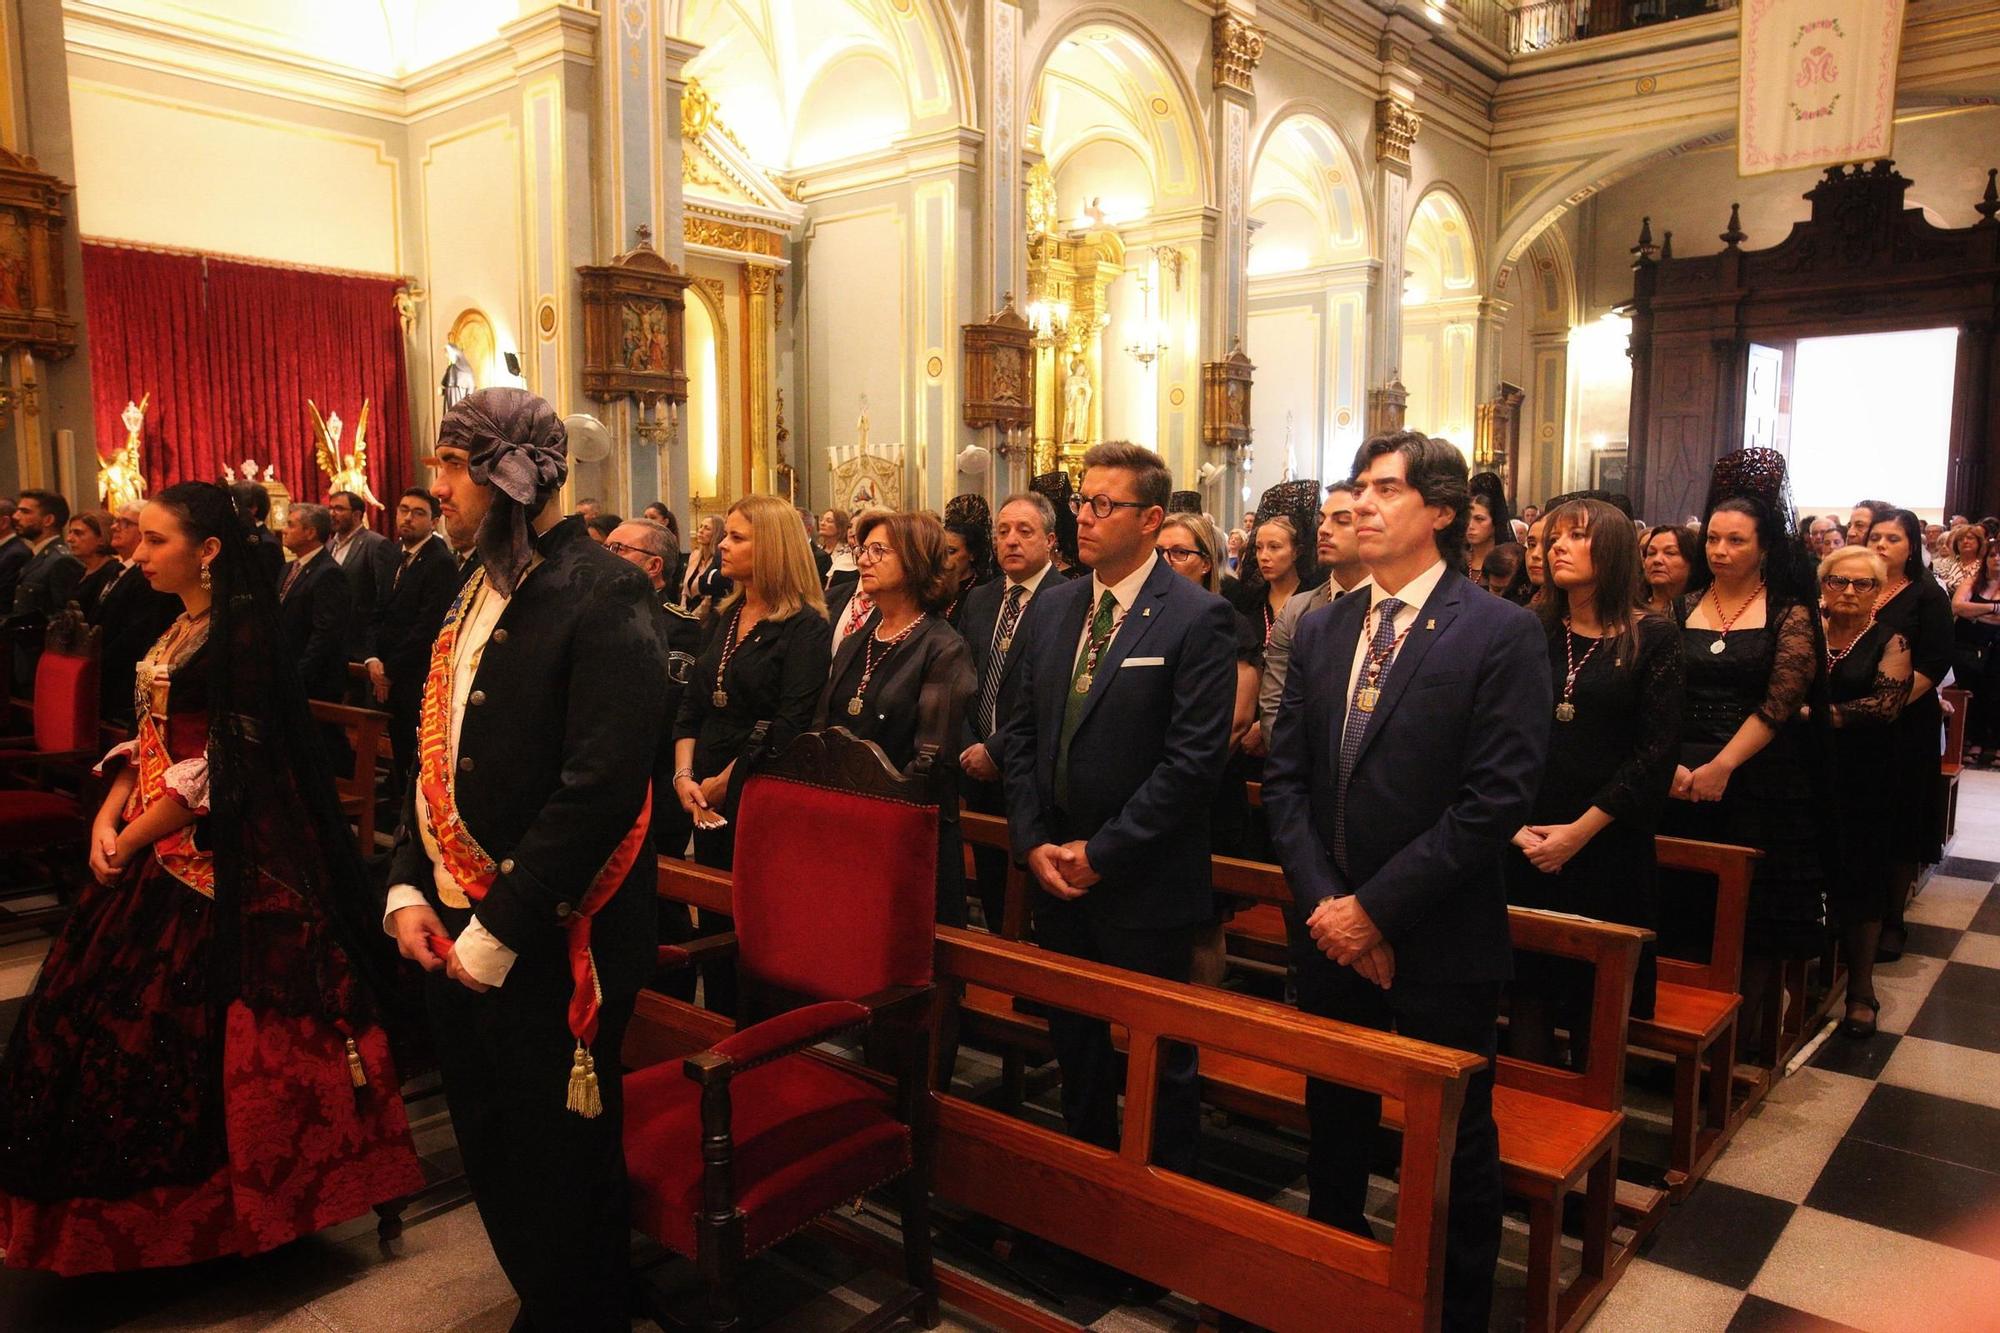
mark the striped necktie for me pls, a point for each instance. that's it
(1355, 730)
(996, 661)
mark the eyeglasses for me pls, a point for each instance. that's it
(620, 548)
(873, 552)
(1180, 555)
(1841, 583)
(1102, 505)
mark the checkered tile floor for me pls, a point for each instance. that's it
(1865, 1191)
(1863, 1194)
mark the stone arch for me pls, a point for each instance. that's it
(1301, 158)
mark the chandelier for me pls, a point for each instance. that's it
(1050, 321)
(1149, 341)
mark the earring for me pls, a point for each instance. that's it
(206, 582)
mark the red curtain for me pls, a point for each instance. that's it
(231, 352)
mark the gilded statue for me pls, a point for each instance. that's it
(344, 473)
(119, 480)
(1076, 403)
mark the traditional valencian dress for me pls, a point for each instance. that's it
(155, 1111)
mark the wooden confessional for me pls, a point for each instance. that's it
(1711, 333)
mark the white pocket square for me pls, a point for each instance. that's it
(1145, 661)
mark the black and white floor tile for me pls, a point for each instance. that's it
(1865, 1191)
(1863, 1194)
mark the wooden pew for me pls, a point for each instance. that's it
(1251, 1259)
(1558, 1130)
(1696, 1014)
(1959, 700)
(366, 729)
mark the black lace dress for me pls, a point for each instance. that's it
(1912, 815)
(1865, 704)
(1769, 802)
(1616, 753)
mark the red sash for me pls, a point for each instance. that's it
(473, 870)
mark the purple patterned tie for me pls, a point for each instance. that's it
(1356, 728)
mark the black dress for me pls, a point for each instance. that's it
(890, 716)
(1769, 802)
(1617, 753)
(1868, 705)
(1912, 813)
(1976, 663)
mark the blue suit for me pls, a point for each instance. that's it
(1446, 774)
(1143, 766)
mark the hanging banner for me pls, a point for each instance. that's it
(1818, 83)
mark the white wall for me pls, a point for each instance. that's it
(855, 312)
(152, 166)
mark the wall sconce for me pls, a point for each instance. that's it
(1150, 340)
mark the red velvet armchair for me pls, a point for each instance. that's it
(834, 893)
(37, 819)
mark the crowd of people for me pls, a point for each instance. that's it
(1450, 708)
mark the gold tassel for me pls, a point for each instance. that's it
(584, 1098)
(355, 1073)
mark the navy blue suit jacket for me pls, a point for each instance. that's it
(1447, 773)
(1148, 751)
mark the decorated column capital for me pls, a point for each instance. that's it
(1397, 123)
(1238, 46)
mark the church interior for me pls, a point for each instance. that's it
(855, 252)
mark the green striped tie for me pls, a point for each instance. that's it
(1079, 691)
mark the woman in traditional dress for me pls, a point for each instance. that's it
(201, 1069)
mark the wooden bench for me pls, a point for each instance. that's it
(1696, 1013)
(1250, 1259)
(1558, 1130)
(366, 730)
(1952, 763)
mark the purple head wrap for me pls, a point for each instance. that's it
(516, 444)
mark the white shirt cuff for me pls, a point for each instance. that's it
(483, 957)
(400, 896)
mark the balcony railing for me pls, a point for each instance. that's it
(1542, 24)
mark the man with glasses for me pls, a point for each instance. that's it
(365, 556)
(130, 616)
(652, 549)
(409, 611)
(1111, 751)
(1023, 544)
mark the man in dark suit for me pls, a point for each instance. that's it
(1407, 752)
(548, 726)
(253, 506)
(367, 558)
(651, 548)
(1111, 753)
(1023, 537)
(47, 578)
(130, 616)
(314, 603)
(413, 598)
(13, 554)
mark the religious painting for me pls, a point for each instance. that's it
(33, 306)
(642, 340)
(634, 336)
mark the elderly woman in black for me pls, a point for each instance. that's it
(877, 684)
(1913, 605)
(765, 662)
(1868, 678)
(1588, 847)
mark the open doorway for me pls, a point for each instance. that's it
(1870, 418)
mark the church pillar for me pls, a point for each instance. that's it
(1002, 209)
(760, 383)
(1235, 47)
(1492, 327)
(1542, 442)
(555, 77)
(671, 462)
(1397, 124)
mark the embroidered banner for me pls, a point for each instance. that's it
(1818, 83)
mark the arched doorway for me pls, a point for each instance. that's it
(1440, 318)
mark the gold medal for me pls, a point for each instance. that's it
(1365, 698)
(1083, 683)
(1006, 642)
(720, 698)
(1565, 711)
(854, 706)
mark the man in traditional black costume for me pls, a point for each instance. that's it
(522, 879)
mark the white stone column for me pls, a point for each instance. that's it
(1235, 47)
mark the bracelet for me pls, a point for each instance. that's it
(680, 773)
